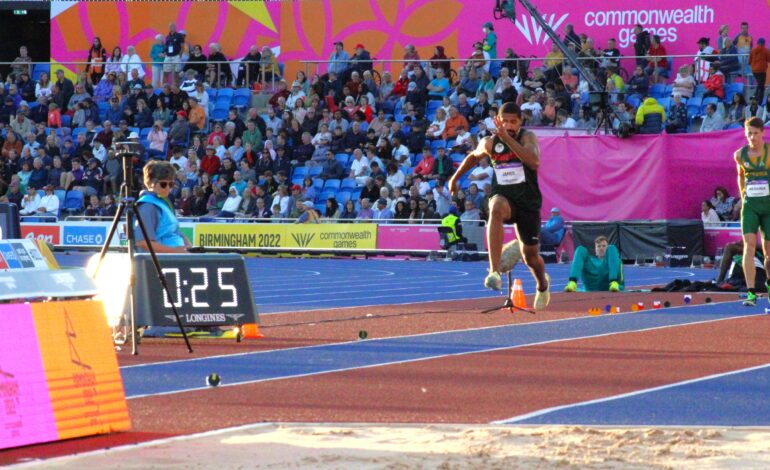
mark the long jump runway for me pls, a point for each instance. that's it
(433, 357)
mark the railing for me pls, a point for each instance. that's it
(317, 67)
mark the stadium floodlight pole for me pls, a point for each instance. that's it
(506, 9)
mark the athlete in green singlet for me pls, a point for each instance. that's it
(515, 197)
(753, 162)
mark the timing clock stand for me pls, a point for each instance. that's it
(128, 207)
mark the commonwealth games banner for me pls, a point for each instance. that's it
(317, 236)
(307, 31)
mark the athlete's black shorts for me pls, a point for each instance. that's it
(527, 222)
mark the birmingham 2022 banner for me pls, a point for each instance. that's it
(306, 30)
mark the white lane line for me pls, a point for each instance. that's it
(544, 411)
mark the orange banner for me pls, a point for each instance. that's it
(84, 383)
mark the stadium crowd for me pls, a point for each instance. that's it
(351, 144)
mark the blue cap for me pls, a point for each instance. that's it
(555, 209)
(453, 210)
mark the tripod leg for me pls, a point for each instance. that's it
(161, 277)
(113, 228)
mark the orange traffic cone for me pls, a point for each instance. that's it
(517, 295)
(251, 331)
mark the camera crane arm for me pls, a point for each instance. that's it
(506, 9)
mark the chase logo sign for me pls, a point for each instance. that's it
(303, 239)
(83, 235)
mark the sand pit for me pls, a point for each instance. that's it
(278, 446)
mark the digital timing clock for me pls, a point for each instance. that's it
(206, 289)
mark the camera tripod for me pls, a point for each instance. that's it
(128, 207)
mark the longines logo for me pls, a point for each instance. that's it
(536, 35)
(303, 239)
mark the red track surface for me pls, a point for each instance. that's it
(475, 388)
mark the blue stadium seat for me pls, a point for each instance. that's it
(212, 92)
(320, 208)
(700, 90)
(665, 102)
(297, 181)
(73, 202)
(349, 183)
(299, 172)
(318, 183)
(225, 92)
(436, 144)
(634, 100)
(332, 184)
(342, 158)
(342, 197)
(219, 114)
(658, 90)
(66, 121)
(145, 132)
(241, 97)
(315, 171)
(326, 194)
(38, 69)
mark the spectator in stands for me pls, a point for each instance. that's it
(339, 60)
(715, 84)
(723, 203)
(708, 215)
(30, 202)
(370, 191)
(650, 117)
(43, 86)
(411, 59)
(713, 120)
(157, 138)
(703, 59)
(677, 121)
(269, 68)
(736, 111)
(439, 87)
(231, 204)
(196, 115)
(49, 204)
(657, 62)
(684, 83)
(759, 58)
(248, 72)
(21, 64)
(754, 110)
(359, 168)
(366, 212)
(641, 45)
(348, 211)
(217, 67)
(331, 167)
(131, 61)
(308, 214)
(14, 194)
(383, 214)
(395, 176)
(743, 43)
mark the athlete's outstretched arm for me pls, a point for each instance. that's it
(469, 162)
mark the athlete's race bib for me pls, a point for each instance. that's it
(757, 188)
(510, 173)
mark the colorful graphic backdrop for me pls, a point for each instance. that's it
(307, 30)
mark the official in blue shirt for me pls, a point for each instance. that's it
(553, 230)
(157, 212)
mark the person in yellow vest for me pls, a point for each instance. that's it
(452, 222)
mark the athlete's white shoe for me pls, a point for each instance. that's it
(542, 299)
(493, 281)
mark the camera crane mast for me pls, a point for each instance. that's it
(506, 9)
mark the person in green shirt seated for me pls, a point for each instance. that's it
(603, 272)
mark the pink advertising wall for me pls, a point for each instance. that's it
(307, 30)
(596, 178)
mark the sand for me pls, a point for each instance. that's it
(443, 447)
